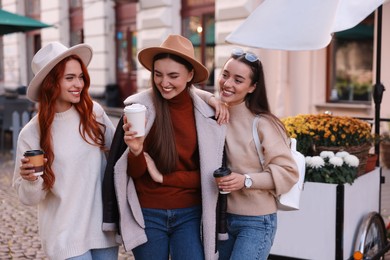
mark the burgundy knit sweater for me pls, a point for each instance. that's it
(180, 188)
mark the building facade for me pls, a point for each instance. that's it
(338, 78)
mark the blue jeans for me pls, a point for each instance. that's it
(110, 253)
(250, 237)
(174, 232)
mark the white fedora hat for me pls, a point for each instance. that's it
(48, 57)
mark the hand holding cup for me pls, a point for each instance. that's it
(135, 114)
(36, 158)
(219, 173)
(134, 136)
(32, 165)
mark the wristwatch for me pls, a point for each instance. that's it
(248, 181)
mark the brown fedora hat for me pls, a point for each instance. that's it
(180, 46)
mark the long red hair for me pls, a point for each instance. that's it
(49, 92)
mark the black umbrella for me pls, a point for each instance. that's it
(11, 23)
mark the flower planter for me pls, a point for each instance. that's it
(385, 154)
(360, 151)
(328, 220)
(316, 130)
(371, 162)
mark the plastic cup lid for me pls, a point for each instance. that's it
(135, 108)
(33, 152)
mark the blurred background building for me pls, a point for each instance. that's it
(338, 78)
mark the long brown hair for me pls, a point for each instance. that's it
(49, 92)
(163, 148)
(257, 101)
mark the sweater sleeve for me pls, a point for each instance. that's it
(110, 130)
(102, 117)
(136, 165)
(203, 94)
(279, 163)
(30, 193)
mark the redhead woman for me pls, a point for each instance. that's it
(74, 132)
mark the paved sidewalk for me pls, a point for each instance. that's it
(18, 223)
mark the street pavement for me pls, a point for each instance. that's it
(18, 223)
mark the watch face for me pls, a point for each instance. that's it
(248, 182)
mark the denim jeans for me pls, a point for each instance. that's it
(250, 237)
(174, 232)
(110, 253)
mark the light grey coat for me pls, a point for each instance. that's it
(211, 138)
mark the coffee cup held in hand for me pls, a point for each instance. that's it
(36, 158)
(222, 172)
(135, 114)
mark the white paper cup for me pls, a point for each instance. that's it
(135, 114)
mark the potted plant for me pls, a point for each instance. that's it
(333, 190)
(371, 162)
(328, 218)
(328, 167)
(332, 196)
(324, 132)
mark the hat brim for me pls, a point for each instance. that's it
(146, 56)
(84, 51)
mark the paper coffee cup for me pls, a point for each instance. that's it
(222, 172)
(135, 114)
(36, 158)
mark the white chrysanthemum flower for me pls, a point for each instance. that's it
(352, 160)
(307, 159)
(342, 154)
(327, 154)
(336, 161)
(317, 162)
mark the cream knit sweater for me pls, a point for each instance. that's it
(70, 214)
(280, 171)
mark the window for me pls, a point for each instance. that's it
(75, 3)
(126, 48)
(200, 31)
(350, 70)
(198, 26)
(33, 8)
(127, 51)
(76, 22)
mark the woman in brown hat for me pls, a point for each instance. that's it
(74, 132)
(164, 180)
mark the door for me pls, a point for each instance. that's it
(126, 49)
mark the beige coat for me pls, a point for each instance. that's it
(211, 138)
